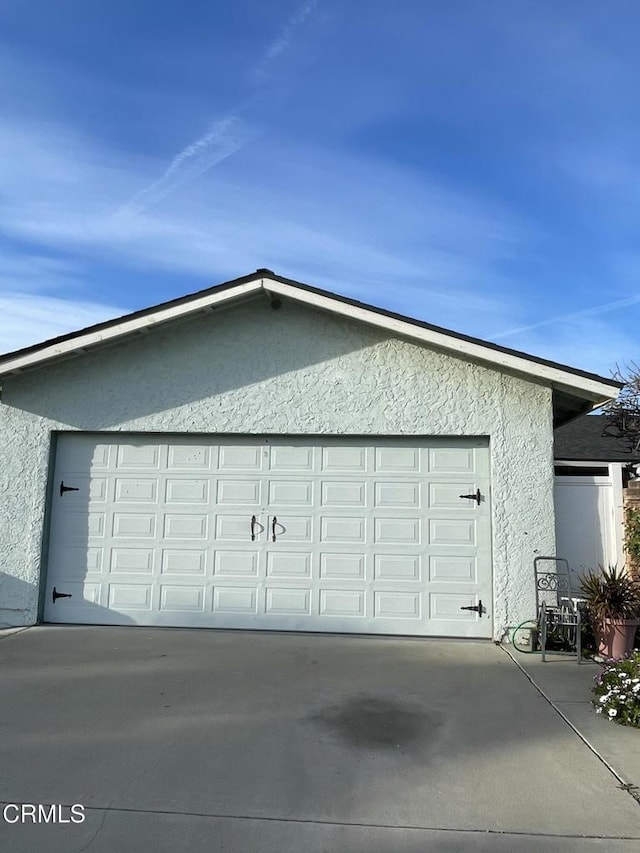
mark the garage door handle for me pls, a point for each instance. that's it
(474, 497)
(253, 528)
(273, 528)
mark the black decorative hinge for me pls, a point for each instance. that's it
(64, 488)
(475, 497)
(57, 595)
(477, 608)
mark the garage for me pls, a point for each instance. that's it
(267, 454)
(347, 535)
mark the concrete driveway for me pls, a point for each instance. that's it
(209, 740)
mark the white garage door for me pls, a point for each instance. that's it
(324, 534)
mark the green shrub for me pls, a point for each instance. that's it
(632, 535)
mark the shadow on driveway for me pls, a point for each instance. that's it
(342, 737)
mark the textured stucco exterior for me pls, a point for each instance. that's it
(297, 371)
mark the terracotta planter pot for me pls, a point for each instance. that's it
(615, 638)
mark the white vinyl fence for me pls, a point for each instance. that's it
(589, 516)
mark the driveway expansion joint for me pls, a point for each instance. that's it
(338, 823)
(624, 784)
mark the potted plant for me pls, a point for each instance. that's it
(613, 601)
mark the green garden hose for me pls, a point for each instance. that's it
(528, 623)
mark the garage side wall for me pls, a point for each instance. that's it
(293, 371)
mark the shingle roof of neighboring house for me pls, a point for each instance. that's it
(582, 439)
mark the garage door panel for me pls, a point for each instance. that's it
(232, 492)
(346, 459)
(135, 490)
(77, 560)
(395, 531)
(285, 601)
(138, 456)
(291, 458)
(186, 490)
(398, 460)
(447, 496)
(186, 526)
(84, 454)
(83, 490)
(83, 594)
(448, 606)
(77, 527)
(132, 561)
(342, 566)
(371, 536)
(452, 531)
(289, 529)
(398, 567)
(340, 602)
(191, 457)
(130, 596)
(233, 528)
(453, 569)
(398, 495)
(397, 605)
(240, 563)
(296, 564)
(298, 493)
(341, 530)
(452, 460)
(235, 599)
(183, 561)
(239, 458)
(344, 493)
(139, 525)
(182, 598)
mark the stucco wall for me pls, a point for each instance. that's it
(254, 370)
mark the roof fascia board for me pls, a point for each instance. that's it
(597, 391)
(582, 463)
(126, 327)
(601, 391)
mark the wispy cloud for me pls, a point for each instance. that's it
(360, 227)
(228, 134)
(284, 38)
(27, 318)
(291, 205)
(595, 311)
(387, 204)
(31, 309)
(592, 343)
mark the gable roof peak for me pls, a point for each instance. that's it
(591, 389)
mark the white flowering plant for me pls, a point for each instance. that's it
(617, 690)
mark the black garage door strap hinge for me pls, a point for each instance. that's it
(57, 595)
(477, 608)
(474, 497)
(64, 488)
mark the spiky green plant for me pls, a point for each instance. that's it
(611, 594)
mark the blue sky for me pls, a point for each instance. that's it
(474, 165)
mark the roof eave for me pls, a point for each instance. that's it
(138, 323)
(596, 389)
(590, 390)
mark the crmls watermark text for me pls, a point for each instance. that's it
(39, 813)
